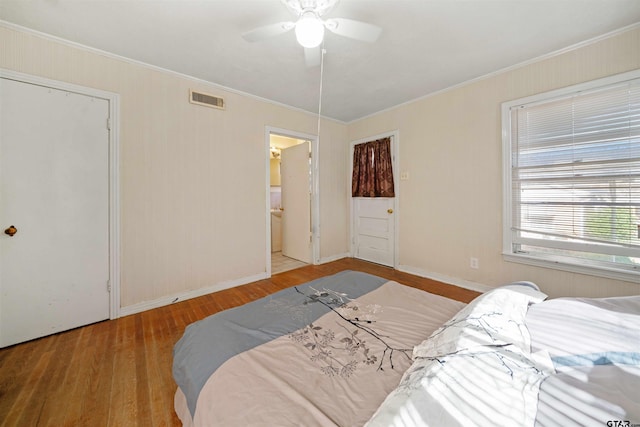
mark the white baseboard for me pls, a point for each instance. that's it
(170, 299)
(478, 287)
(334, 258)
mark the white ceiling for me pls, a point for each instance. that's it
(426, 45)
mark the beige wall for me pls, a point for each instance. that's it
(451, 208)
(182, 230)
(193, 179)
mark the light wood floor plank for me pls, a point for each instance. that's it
(21, 412)
(122, 402)
(118, 372)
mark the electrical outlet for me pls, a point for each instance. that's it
(474, 263)
(404, 175)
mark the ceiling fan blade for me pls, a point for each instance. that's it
(312, 56)
(353, 29)
(267, 31)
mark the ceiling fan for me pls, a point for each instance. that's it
(309, 27)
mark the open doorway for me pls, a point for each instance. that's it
(291, 201)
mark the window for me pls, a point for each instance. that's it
(572, 178)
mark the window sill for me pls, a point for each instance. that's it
(577, 267)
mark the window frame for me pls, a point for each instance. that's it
(557, 262)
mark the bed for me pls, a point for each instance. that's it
(353, 349)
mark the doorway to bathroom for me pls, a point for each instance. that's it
(292, 200)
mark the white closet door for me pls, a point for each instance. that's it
(54, 188)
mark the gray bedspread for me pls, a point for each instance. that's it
(210, 342)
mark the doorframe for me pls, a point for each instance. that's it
(395, 154)
(114, 170)
(315, 191)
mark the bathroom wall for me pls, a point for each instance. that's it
(274, 167)
(276, 197)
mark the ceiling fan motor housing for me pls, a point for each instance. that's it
(319, 7)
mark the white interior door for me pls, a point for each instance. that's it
(374, 229)
(296, 202)
(54, 188)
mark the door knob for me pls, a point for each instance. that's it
(390, 211)
(11, 231)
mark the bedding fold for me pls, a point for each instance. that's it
(477, 369)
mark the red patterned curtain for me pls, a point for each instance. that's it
(372, 172)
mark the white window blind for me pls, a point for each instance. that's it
(575, 176)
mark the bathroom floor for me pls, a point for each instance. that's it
(280, 263)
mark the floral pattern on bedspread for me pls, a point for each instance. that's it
(335, 357)
(340, 351)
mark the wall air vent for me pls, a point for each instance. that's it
(206, 99)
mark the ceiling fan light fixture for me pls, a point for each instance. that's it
(309, 30)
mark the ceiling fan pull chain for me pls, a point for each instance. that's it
(322, 52)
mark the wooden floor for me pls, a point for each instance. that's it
(118, 372)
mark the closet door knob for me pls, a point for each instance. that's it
(390, 211)
(11, 231)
